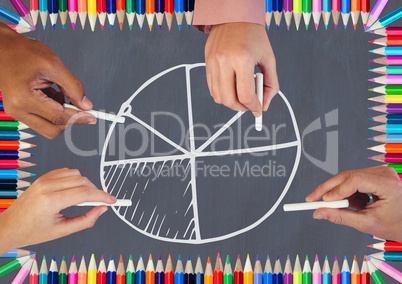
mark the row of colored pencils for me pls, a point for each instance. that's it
(222, 273)
(11, 158)
(100, 10)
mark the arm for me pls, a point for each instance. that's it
(28, 69)
(35, 217)
(382, 218)
(236, 44)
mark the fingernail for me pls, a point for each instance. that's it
(113, 199)
(327, 197)
(309, 198)
(86, 102)
(102, 211)
(256, 114)
(90, 120)
(320, 217)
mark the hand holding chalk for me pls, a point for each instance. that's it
(316, 205)
(99, 115)
(380, 216)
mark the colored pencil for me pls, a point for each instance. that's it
(140, 272)
(53, 12)
(387, 246)
(199, 272)
(355, 8)
(92, 13)
(19, 29)
(247, 272)
(287, 272)
(316, 11)
(17, 20)
(277, 274)
(355, 272)
(388, 90)
(388, 128)
(389, 51)
(388, 41)
(101, 10)
(387, 269)
(388, 118)
(150, 12)
(364, 273)
(82, 7)
(14, 154)
(388, 60)
(326, 272)
(34, 10)
(111, 271)
(34, 273)
(387, 20)
(209, 274)
(23, 12)
(16, 253)
(396, 255)
(169, 273)
(297, 12)
(43, 272)
(388, 31)
(130, 271)
(130, 13)
(238, 274)
(257, 272)
(63, 273)
(169, 10)
(345, 12)
(188, 277)
(92, 271)
(390, 108)
(389, 255)
(14, 174)
(336, 273)
(159, 12)
(15, 164)
(277, 9)
(269, 6)
(316, 273)
(388, 158)
(111, 11)
(3, 114)
(14, 145)
(287, 11)
(73, 12)
(150, 271)
(82, 272)
(72, 272)
(374, 273)
(307, 277)
(101, 274)
(179, 12)
(326, 12)
(306, 8)
(140, 12)
(63, 12)
(52, 277)
(10, 194)
(375, 13)
(297, 272)
(23, 272)
(218, 270)
(188, 12)
(388, 79)
(395, 148)
(125, 276)
(159, 272)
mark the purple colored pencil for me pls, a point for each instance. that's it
(23, 11)
(288, 10)
(159, 11)
(376, 12)
(388, 108)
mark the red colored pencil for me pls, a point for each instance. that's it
(169, 273)
(388, 31)
(101, 7)
(101, 275)
(169, 11)
(365, 11)
(14, 164)
(34, 10)
(14, 145)
(238, 272)
(364, 273)
(387, 246)
(4, 116)
(218, 270)
(388, 41)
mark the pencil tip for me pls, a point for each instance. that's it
(111, 27)
(335, 26)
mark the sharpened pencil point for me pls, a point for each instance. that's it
(54, 27)
(316, 27)
(111, 27)
(179, 27)
(335, 26)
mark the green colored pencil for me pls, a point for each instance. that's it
(227, 272)
(306, 272)
(374, 273)
(13, 265)
(130, 272)
(12, 125)
(63, 271)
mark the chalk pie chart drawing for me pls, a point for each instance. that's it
(197, 172)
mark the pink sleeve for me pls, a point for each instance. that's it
(214, 12)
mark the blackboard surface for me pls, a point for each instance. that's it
(323, 75)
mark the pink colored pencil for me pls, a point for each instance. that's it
(387, 269)
(23, 11)
(336, 12)
(388, 31)
(316, 10)
(388, 80)
(73, 12)
(72, 272)
(19, 29)
(388, 60)
(23, 272)
(34, 10)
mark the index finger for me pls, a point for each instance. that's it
(245, 86)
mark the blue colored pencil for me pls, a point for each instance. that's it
(14, 174)
(140, 272)
(277, 8)
(199, 272)
(140, 11)
(111, 271)
(268, 12)
(388, 128)
(388, 51)
(268, 277)
(179, 12)
(53, 275)
(14, 155)
(10, 194)
(277, 275)
(387, 20)
(160, 12)
(111, 12)
(387, 138)
(179, 272)
(14, 135)
(159, 272)
(14, 18)
(345, 272)
(16, 253)
(345, 12)
(53, 12)
(388, 255)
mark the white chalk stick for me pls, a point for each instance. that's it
(99, 114)
(315, 205)
(119, 202)
(259, 86)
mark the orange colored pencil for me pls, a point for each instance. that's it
(150, 271)
(14, 145)
(208, 274)
(150, 12)
(6, 203)
(355, 7)
(120, 11)
(120, 272)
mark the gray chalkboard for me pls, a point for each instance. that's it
(323, 75)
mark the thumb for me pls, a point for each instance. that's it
(72, 88)
(346, 217)
(82, 222)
